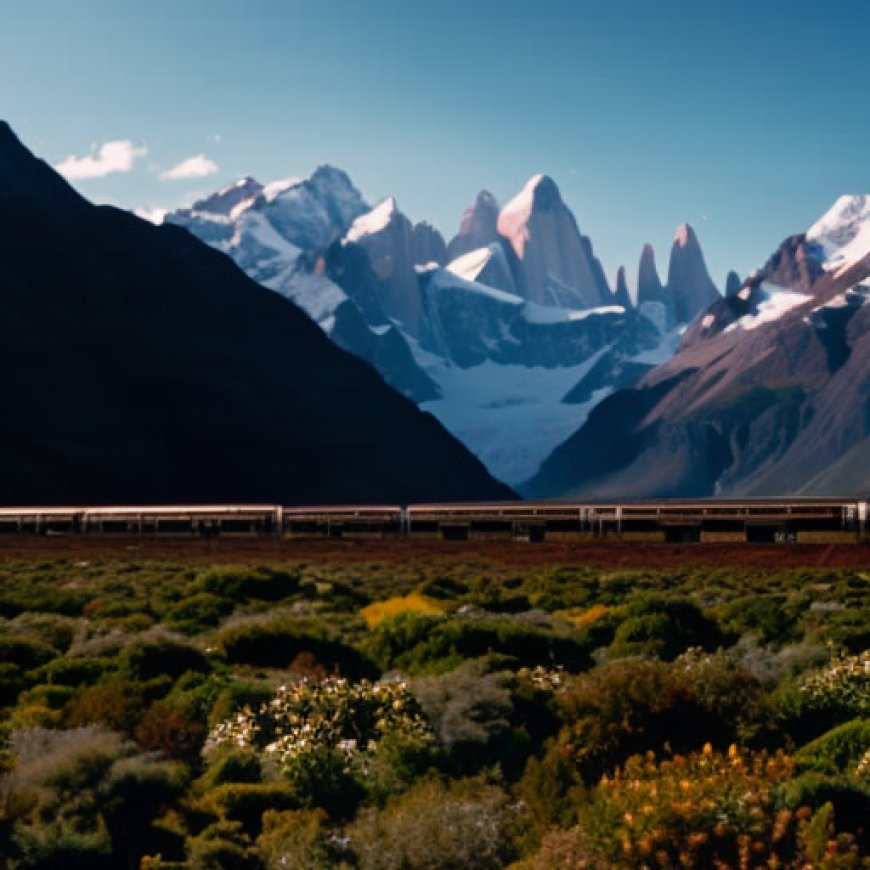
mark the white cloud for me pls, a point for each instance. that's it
(193, 167)
(116, 156)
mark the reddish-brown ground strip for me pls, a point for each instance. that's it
(606, 554)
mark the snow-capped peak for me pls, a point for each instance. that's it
(373, 221)
(843, 232)
(514, 217)
(275, 188)
(225, 200)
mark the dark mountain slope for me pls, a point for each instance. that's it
(140, 365)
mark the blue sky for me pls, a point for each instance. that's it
(746, 119)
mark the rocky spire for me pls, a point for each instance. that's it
(478, 227)
(556, 263)
(622, 296)
(732, 283)
(649, 285)
(427, 245)
(690, 287)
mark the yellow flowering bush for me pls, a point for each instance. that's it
(703, 810)
(696, 810)
(582, 617)
(374, 614)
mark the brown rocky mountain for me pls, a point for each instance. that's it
(769, 393)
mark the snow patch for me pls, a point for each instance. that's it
(274, 189)
(445, 279)
(372, 222)
(546, 314)
(510, 417)
(775, 302)
(317, 296)
(843, 232)
(470, 265)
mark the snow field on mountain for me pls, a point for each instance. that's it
(510, 417)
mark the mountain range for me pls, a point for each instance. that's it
(141, 365)
(509, 332)
(290, 342)
(768, 393)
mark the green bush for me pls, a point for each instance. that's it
(276, 644)
(75, 671)
(419, 644)
(836, 752)
(198, 612)
(136, 791)
(236, 695)
(851, 801)
(148, 659)
(59, 848)
(26, 654)
(43, 598)
(221, 846)
(816, 702)
(12, 682)
(246, 802)
(629, 706)
(767, 616)
(231, 766)
(663, 627)
(50, 629)
(296, 840)
(265, 584)
(53, 697)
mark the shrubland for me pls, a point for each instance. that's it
(159, 713)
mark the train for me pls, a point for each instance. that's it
(760, 520)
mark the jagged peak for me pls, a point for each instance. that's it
(684, 235)
(229, 197)
(539, 192)
(485, 199)
(622, 295)
(647, 266)
(482, 213)
(327, 171)
(373, 221)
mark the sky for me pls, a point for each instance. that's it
(746, 119)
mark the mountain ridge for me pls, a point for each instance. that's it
(149, 368)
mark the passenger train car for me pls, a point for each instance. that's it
(674, 520)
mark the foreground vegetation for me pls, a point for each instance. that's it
(431, 715)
